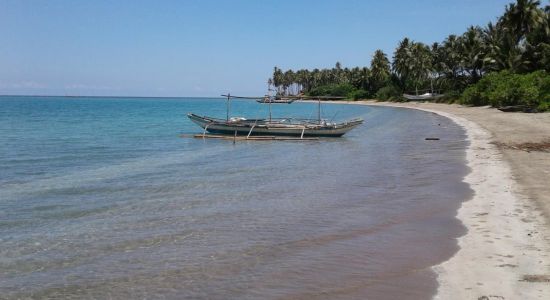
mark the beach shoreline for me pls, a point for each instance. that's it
(505, 252)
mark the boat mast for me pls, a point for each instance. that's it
(319, 110)
(269, 111)
(227, 107)
(269, 100)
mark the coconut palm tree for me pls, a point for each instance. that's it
(511, 44)
(401, 62)
(473, 53)
(269, 84)
(448, 62)
(288, 80)
(537, 44)
(420, 66)
(380, 70)
(522, 17)
(278, 79)
(502, 51)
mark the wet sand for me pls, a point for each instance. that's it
(505, 253)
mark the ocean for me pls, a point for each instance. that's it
(102, 198)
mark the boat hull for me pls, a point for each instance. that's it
(261, 127)
(276, 101)
(425, 97)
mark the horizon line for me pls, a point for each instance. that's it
(105, 96)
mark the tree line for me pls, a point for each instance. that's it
(518, 43)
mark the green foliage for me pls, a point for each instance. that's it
(341, 90)
(450, 97)
(505, 89)
(476, 94)
(359, 94)
(380, 70)
(483, 63)
(544, 106)
(389, 92)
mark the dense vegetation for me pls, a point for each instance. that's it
(505, 63)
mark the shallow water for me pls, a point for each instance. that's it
(100, 197)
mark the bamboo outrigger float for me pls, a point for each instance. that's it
(269, 128)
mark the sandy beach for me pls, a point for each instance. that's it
(505, 253)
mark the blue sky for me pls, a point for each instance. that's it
(205, 47)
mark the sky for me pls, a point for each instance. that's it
(205, 47)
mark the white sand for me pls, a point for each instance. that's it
(507, 237)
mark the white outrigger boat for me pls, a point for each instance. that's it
(273, 127)
(425, 96)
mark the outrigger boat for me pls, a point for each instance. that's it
(425, 96)
(428, 95)
(274, 127)
(276, 100)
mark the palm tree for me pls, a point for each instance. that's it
(288, 80)
(514, 43)
(401, 61)
(518, 42)
(380, 70)
(438, 65)
(473, 53)
(277, 79)
(537, 44)
(448, 62)
(502, 51)
(522, 17)
(269, 84)
(364, 79)
(420, 65)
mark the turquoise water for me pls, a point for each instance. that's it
(101, 197)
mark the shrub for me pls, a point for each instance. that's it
(505, 89)
(541, 79)
(359, 94)
(389, 92)
(544, 106)
(473, 95)
(449, 97)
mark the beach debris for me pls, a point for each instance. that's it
(535, 278)
(507, 265)
(432, 139)
(517, 108)
(490, 297)
(543, 146)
